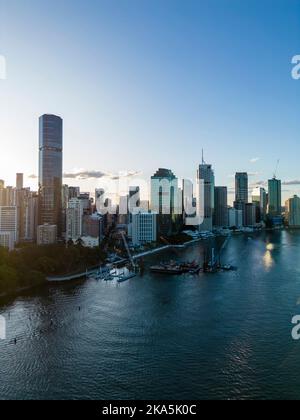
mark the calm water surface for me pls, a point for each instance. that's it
(226, 335)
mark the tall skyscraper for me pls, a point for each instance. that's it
(31, 217)
(50, 171)
(241, 187)
(250, 214)
(221, 207)
(9, 222)
(274, 197)
(241, 193)
(74, 219)
(19, 181)
(206, 174)
(260, 200)
(165, 200)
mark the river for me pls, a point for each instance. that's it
(215, 336)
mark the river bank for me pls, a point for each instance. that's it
(72, 277)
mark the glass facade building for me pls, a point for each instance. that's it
(221, 207)
(50, 171)
(206, 174)
(274, 197)
(241, 187)
(166, 201)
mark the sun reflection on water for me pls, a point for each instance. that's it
(268, 258)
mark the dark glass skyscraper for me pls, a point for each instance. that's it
(221, 207)
(50, 170)
(241, 193)
(206, 174)
(274, 197)
(165, 201)
(241, 187)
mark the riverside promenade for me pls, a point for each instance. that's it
(78, 276)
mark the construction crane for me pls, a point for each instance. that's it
(276, 169)
(128, 250)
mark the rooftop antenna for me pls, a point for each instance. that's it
(276, 169)
(203, 161)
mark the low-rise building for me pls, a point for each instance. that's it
(144, 228)
(46, 234)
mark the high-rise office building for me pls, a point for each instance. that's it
(19, 181)
(86, 201)
(73, 192)
(274, 197)
(292, 211)
(132, 205)
(21, 196)
(189, 202)
(165, 201)
(75, 213)
(93, 226)
(250, 214)
(260, 200)
(31, 217)
(50, 171)
(9, 222)
(221, 207)
(144, 228)
(241, 193)
(7, 240)
(241, 187)
(7, 196)
(235, 218)
(206, 175)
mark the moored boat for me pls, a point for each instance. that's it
(173, 267)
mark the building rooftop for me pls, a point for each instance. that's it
(164, 173)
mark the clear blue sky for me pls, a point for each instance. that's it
(143, 84)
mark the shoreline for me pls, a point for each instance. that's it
(80, 276)
(73, 277)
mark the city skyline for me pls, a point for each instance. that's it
(123, 180)
(124, 86)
